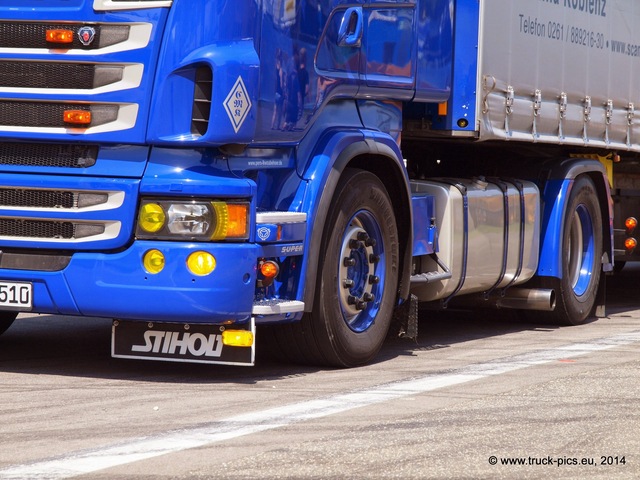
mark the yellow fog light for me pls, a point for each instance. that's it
(153, 261)
(151, 218)
(201, 263)
(237, 338)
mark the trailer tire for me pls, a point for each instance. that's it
(356, 283)
(6, 320)
(581, 255)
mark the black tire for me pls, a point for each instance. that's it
(6, 320)
(357, 280)
(576, 292)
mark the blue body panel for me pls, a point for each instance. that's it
(118, 284)
(555, 195)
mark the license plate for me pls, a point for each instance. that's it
(16, 296)
(177, 342)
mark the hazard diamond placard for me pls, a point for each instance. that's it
(237, 104)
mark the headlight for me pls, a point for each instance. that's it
(193, 220)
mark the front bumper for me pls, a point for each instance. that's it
(115, 285)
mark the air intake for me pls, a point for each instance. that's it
(202, 101)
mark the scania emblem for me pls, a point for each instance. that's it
(86, 35)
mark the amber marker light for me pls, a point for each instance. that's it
(269, 269)
(59, 36)
(77, 117)
(630, 244)
(237, 338)
(630, 224)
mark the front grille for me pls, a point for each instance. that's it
(49, 229)
(48, 155)
(43, 262)
(46, 75)
(74, 76)
(36, 229)
(43, 115)
(37, 198)
(21, 35)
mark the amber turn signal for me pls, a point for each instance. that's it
(59, 36)
(630, 224)
(77, 117)
(630, 244)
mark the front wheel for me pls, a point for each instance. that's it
(581, 255)
(357, 279)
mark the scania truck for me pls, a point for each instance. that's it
(215, 174)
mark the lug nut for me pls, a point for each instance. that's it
(363, 236)
(373, 258)
(370, 242)
(355, 244)
(368, 297)
(349, 262)
(352, 300)
(360, 305)
(348, 283)
(373, 279)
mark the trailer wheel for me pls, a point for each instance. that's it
(6, 319)
(582, 255)
(357, 279)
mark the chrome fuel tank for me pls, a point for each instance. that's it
(488, 235)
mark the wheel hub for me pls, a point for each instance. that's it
(355, 274)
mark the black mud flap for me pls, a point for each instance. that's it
(404, 323)
(180, 342)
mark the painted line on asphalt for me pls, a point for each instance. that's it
(88, 461)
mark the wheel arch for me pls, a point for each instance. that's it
(380, 156)
(555, 199)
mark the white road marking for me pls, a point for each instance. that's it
(88, 461)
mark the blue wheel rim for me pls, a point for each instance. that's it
(361, 271)
(581, 250)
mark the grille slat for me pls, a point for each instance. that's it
(48, 155)
(36, 229)
(27, 35)
(46, 75)
(37, 198)
(50, 115)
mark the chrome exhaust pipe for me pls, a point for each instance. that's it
(528, 299)
(514, 298)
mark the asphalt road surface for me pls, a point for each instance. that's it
(478, 396)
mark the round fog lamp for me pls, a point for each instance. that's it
(201, 263)
(153, 261)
